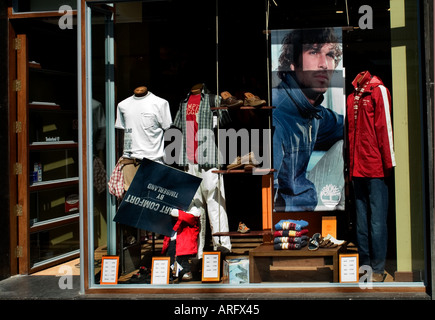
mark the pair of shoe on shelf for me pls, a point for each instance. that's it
(228, 100)
(188, 276)
(243, 228)
(317, 241)
(248, 162)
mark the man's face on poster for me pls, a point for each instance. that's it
(315, 67)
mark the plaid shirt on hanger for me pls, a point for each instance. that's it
(116, 181)
(206, 141)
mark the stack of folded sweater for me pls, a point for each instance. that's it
(290, 235)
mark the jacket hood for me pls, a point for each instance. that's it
(365, 76)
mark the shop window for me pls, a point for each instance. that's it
(168, 48)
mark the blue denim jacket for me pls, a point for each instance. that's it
(299, 128)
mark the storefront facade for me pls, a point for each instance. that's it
(168, 47)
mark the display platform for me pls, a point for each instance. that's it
(264, 259)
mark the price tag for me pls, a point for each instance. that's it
(211, 266)
(160, 270)
(109, 270)
(349, 268)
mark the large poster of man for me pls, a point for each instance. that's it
(308, 93)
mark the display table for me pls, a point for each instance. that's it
(264, 256)
(247, 234)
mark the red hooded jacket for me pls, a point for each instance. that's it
(370, 134)
(187, 228)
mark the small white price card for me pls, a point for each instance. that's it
(349, 268)
(211, 266)
(109, 270)
(160, 270)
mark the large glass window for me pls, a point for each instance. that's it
(287, 75)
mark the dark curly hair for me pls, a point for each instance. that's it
(300, 40)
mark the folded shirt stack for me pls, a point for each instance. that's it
(290, 235)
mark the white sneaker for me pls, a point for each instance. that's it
(333, 240)
(249, 159)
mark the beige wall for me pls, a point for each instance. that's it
(407, 135)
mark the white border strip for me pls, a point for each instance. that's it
(388, 122)
(296, 285)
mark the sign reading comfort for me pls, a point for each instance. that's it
(155, 190)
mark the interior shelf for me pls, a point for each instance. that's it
(44, 106)
(36, 67)
(243, 108)
(265, 173)
(54, 183)
(40, 226)
(252, 233)
(53, 145)
(254, 171)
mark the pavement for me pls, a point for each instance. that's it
(50, 287)
(43, 294)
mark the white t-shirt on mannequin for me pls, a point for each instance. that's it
(144, 120)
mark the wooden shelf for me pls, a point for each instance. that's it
(36, 68)
(36, 186)
(250, 171)
(54, 223)
(248, 234)
(44, 106)
(300, 268)
(243, 108)
(34, 65)
(265, 173)
(261, 260)
(53, 145)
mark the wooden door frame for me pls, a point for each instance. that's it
(18, 207)
(18, 214)
(23, 156)
(13, 235)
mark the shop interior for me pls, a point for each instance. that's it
(168, 47)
